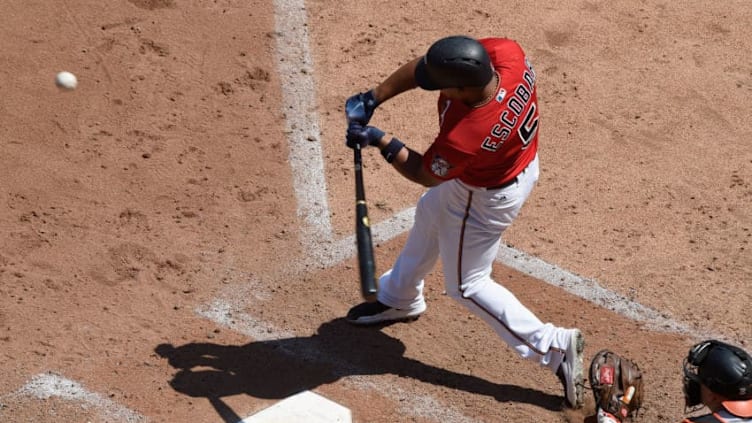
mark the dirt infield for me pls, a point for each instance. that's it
(176, 233)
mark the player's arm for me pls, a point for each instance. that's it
(408, 162)
(401, 80)
(360, 107)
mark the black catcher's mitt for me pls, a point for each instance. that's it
(617, 386)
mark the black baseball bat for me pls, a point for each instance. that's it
(366, 262)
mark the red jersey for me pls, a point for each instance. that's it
(489, 145)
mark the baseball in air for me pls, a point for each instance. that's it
(66, 80)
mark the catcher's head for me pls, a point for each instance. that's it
(725, 370)
(454, 62)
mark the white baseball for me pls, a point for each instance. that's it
(66, 80)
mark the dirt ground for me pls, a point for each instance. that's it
(157, 249)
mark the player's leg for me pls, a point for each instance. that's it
(477, 219)
(468, 256)
(400, 291)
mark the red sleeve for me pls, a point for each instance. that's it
(445, 160)
(450, 153)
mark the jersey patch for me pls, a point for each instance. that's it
(439, 166)
(501, 95)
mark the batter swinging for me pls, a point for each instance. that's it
(481, 168)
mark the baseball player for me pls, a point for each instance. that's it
(718, 376)
(480, 169)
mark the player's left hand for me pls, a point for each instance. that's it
(363, 136)
(359, 108)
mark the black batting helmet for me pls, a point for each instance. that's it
(723, 368)
(454, 62)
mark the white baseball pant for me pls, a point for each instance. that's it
(463, 225)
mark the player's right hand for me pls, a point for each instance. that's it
(362, 136)
(359, 108)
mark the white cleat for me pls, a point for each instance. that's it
(570, 371)
(373, 313)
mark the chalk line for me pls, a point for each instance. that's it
(48, 385)
(295, 66)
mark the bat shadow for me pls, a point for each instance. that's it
(276, 369)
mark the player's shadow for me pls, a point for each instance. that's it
(279, 368)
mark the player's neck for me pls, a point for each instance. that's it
(488, 93)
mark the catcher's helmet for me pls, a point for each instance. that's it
(454, 62)
(724, 369)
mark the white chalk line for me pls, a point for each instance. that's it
(592, 291)
(295, 67)
(48, 385)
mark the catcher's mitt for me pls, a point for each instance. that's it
(617, 385)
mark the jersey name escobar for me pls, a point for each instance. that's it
(509, 117)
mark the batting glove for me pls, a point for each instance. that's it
(359, 108)
(363, 136)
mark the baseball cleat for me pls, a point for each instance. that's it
(570, 371)
(373, 313)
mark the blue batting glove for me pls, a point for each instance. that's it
(363, 136)
(359, 108)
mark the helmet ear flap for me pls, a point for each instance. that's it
(692, 395)
(691, 381)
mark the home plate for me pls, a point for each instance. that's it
(305, 407)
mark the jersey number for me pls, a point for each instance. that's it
(529, 126)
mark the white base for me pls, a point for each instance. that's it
(305, 407)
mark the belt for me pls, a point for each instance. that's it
(504, 185)
(510, 182)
